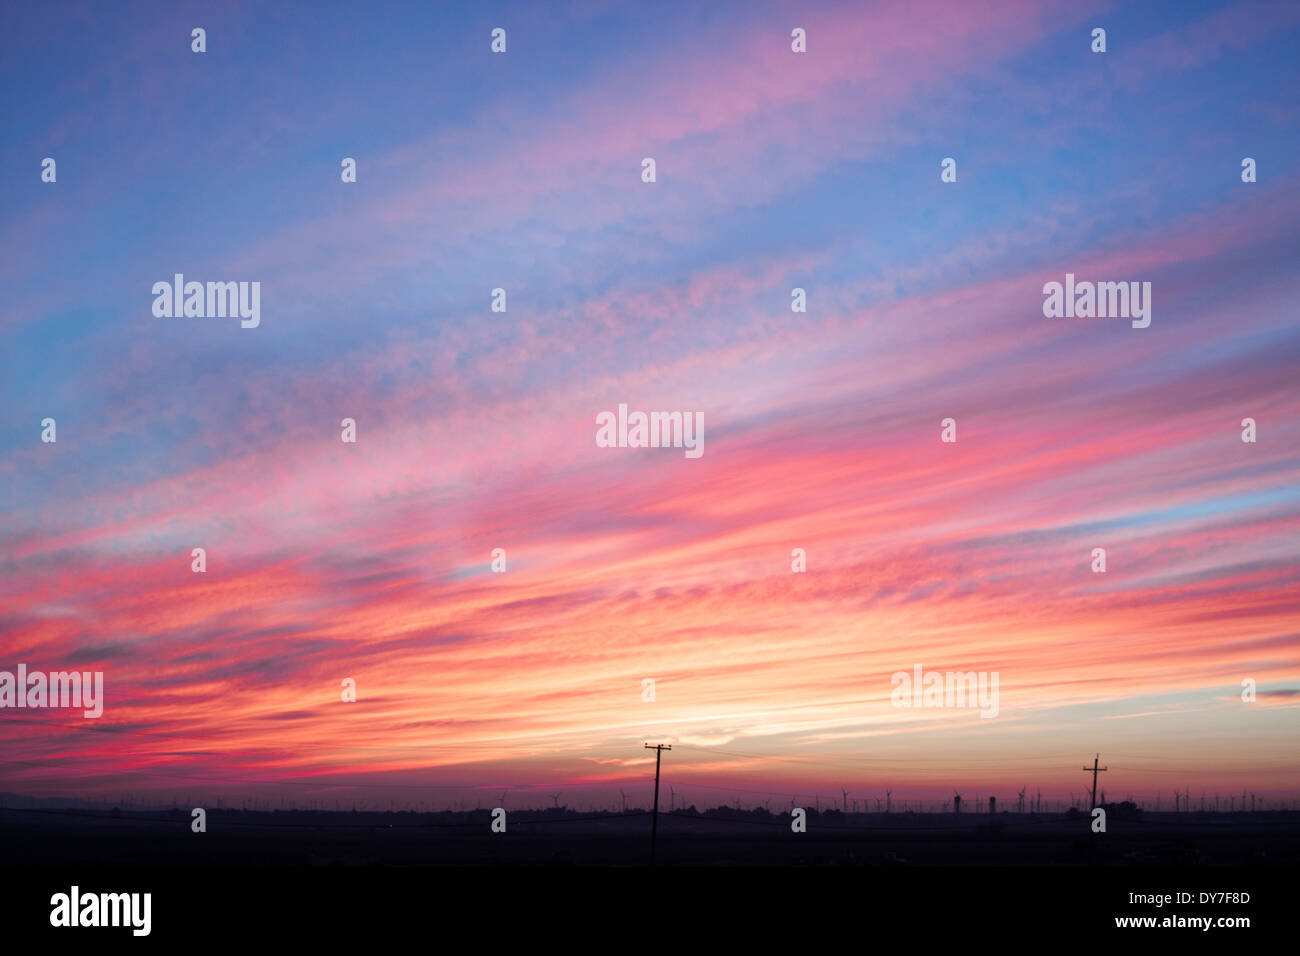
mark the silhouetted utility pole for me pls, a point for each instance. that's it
(654, 820)
(1095, 770)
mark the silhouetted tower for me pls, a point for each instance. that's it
(956, 802)
(1020, 801)
(624, 796)
(846, 799)
(993, 805)
(888, 795)
(1095, 770)
(654, 820)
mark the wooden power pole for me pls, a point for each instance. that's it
(654, 819)
(1095, 770)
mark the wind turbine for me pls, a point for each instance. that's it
(1020, 801)
(956, 802)
(555, 798)
(624, 796)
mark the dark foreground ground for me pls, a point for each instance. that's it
(117, 839)
(733, 879)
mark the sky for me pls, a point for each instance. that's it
(475, 430)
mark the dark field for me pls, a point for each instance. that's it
(717, 838)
